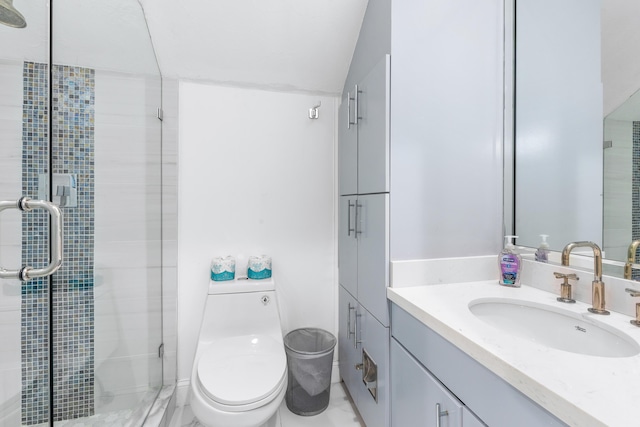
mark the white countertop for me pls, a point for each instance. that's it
(584, 391)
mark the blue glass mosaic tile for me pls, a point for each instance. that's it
(635, 197)
(72, 313)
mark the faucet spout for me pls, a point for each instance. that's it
(597, 257)
(631, 257)
(597, 286)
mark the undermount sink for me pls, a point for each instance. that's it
(554, 327)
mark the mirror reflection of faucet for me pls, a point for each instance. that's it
(635, 293)
(631, 258)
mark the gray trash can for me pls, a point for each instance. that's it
(309, 361)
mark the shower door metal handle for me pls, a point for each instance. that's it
(27, 205)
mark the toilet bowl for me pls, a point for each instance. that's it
(239, 374)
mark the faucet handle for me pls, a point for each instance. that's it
(632, 292)
(566, 277)
(565, 287)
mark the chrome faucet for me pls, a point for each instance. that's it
(597, 286)
(631, 258)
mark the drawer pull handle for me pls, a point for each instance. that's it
(440, 414)
(349, 321)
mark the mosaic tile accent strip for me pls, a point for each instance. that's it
(73, 310)
(35, 247)
(635, 197)
(72, 313)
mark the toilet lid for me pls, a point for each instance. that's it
(242, 370)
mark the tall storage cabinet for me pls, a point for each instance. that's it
(364, 244)
(363, 167)
(419, 134)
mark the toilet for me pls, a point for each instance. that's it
(239, 375)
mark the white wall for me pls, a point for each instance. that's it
(446, 128)
(256, 176)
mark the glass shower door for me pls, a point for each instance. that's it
(24, 308)
(83, 133)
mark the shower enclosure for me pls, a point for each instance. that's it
(80, 127)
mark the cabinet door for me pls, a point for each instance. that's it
(373, 403)
(470, 420)
(348, 352)
(373, 129)
(373, 254)
(348, 244)
(347, 148)
(416, 394)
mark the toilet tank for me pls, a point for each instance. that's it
(241, 307)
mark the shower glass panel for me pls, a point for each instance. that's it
(24, 308)
(106, 132)
(81, 347)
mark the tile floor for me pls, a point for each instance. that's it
(340, 413)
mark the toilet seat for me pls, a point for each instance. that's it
(242, 373)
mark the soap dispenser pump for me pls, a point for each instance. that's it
(542, 253)
(510, 263)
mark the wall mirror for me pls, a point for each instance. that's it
(575, 123)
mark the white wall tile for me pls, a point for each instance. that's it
(128, 246)
(618, 175)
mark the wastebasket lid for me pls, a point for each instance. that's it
(242, 370)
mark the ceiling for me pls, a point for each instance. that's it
(293, 45)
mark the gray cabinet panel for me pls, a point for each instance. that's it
(370, 336)
(349, 353)
(496, 402)
(373, 129)
(347, 149)
(375, 342)
(373, 254)
(415, 393)
(348, 244)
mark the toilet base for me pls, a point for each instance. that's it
(214, 417)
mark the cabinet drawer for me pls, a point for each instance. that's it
(416, 396)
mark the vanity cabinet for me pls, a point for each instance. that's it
(364, 360)
(419, 351)
(418, 398)
(363, 145)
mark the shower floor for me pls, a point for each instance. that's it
(115, 418)
(110, 419)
